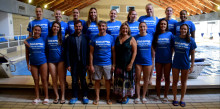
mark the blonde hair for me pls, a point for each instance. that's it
(149, 4)
(129, 30)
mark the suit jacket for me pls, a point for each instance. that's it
(72, 53)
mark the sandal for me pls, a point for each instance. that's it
(62, 101)
(144, 100)
(109, 102)
(36, 101)
(56, 101)
(175, 103)
(165, 100)
(125, 101)
(46, 101)
(96, 102)
(157, 98)
(137, 100)
(182, 104)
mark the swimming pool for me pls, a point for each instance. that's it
(210, 51)
(21, 69)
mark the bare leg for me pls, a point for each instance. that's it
(146, 75)
(151, 72)
(175, 81)
(138, 70)
(53, 72)
(167, 68)
(184, 77)
(97, 89)
(159, 68)
(44, 75)
(35, 75)
(108, 86)
(62, 74)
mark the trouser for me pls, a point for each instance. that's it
(80, 72)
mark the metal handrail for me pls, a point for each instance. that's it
(10, 62)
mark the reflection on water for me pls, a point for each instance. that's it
(210, 51)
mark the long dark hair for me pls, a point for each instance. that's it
(129, 13)
(89, 18)
(187, 34)
(59, 34)
(158, 32)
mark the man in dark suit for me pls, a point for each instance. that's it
(77, 60)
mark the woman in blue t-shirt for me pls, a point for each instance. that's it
(133, 24)
(91, 30)
(151, 22)
(91, 24)
(184, 46)
(113, 25)
(37, 63)
(191, 25)
(55, 60)
(143, 60)
(149, 19)
(162, 44)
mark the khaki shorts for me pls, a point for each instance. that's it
(100, 71)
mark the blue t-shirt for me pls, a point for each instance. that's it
(113, 28)
(134, 28)
(151, 23)
(71, 29)
(63, 27)
(189, 23)
(92, 30)
(144, 44)
(102, 49)
(44, 24)
(182, 52)
(171, 24)
(55, 51)
(37, 54)
(163, 49)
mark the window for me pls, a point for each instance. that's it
(117, 8)
(129, 8)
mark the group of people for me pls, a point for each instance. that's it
(117, 51)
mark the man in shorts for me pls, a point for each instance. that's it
(102, 60)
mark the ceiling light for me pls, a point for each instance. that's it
(63, 12)
(218, 7)
(29, 1)
(45, 6)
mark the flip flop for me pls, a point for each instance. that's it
(36, 101)
(109, 102)
(62, 101)
(144, 100)
(165, 100)
(55, 101)
(125, 102)
(175, 103)
(46, 101)
(96, 102)
(137, 100)
(182, 104)
(156, 98)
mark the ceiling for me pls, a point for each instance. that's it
(193, 7)
(65, 6)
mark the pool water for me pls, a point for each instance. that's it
(21, 69)
(208, 50)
